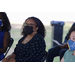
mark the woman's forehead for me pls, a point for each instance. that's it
(32, 20)
(72, 33)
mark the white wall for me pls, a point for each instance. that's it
(45, 17)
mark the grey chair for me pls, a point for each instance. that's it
(44, 58)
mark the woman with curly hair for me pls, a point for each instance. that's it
(4, 33)
(31, 47)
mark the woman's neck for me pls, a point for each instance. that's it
(28, 38)
(31, 35)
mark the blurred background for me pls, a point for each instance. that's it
(17, 19)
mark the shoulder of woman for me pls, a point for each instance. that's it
(39, 36)
(7, 34)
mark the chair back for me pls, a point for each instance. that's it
(44, 58)
(9, 46)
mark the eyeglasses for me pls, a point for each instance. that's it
(32, 25)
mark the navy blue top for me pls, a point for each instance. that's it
(33, 51)
(1, 43)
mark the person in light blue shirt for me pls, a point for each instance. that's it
(69, 55)
(4, 33)
(59, 50)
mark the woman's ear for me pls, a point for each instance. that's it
(37, 28)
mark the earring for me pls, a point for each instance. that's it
(35, 32)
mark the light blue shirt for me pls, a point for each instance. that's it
(68, 57)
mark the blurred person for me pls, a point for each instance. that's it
(59, 50)
(69, 55)
(4, 33)
(31, 47)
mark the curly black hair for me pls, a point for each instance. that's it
(40, 25)
(6, 23)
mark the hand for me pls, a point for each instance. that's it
(5, 60)
(64, 46)
(8, 60)
(11, 60)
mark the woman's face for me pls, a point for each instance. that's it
(72, 36)
(32, 23)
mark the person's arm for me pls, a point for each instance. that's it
(62, 60)
(11, 58)
(5, 42)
